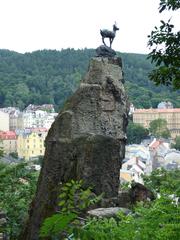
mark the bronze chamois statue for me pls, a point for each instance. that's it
(109, 34)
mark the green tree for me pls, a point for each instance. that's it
(50, 76)
(1, 151)
(166, 49)
(17, 187)
(158, 128)
(163, 181)
(176, 145)
(14, 155)
(136, 133)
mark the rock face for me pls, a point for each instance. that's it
(86, 141)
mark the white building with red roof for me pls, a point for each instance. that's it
(8, 141)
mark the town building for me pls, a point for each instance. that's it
(132, 170)
(172, 159)
(13, 113)
(35, 119)
(30, 143)
(45, 107)
(41, 116)
(14, 120)
(158, 149)
(4, 121)
(165, 105)
(171, 115)
(8, 141)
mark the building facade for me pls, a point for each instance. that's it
(8, 142)
(4, 121)
(172, 116)
(30, 143)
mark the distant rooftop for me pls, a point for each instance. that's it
(7, 135)
(165, 105)
(157, 110)
(44, 107)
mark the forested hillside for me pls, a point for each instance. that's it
(50, 76)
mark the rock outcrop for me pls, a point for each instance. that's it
(105, 51)
(86, 141)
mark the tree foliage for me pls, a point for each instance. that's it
(73, 200)
(17, 187)
(1, 152)
(165, 42)
(158, 128)
(163, 181)
(176, 145)
(136, 133)
(51, 76)
(158, 220)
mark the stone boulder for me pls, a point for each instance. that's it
(107, 212)
(105, 51)
(139, 192)
(86, 141)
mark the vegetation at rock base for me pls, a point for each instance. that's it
(159, 219)
(51, 76)
(17, 187)
(73, 201)
(164, 42)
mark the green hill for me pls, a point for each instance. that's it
(51, 76)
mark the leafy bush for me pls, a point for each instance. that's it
(73, 200)
(17, 187)
(164, 182)
(157, 220)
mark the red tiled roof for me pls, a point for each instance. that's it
(155, 144)
(39, 129)
(7, 135)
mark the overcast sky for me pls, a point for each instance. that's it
(29, 25)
